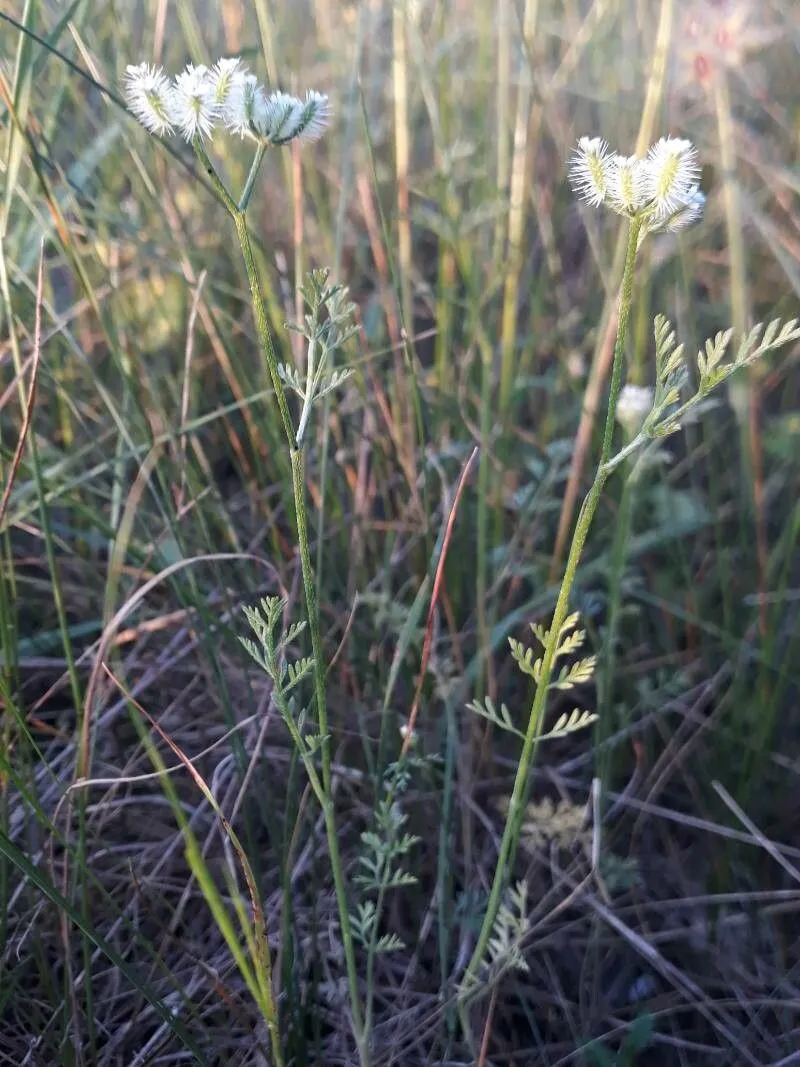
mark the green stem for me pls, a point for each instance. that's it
(511, 831)
(259, 308)
(249, 185)
(607, 723)
(216, 181)
(312, 609)
(262, 325)
(625, 302)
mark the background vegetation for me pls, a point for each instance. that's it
(150, 500)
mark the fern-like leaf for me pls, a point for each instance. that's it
(333, 381)
(313, 743)
(499, 716)
(524, 658)
(399, 878)
(711, 355)
(577, 673)
(570, 644)
(389, 943)
(570, 723)
(256, 653)
(297, 671)
(291, 377)
(292, 633)
(362, 921)
(757, 344)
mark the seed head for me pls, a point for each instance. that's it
(226, 74)
(194, 107)
(627, 184)
(317, 115)
(589, 170)
(689, 212)
(148, 94)
(671, 174)
(661, 190)
(199, 98)
(287, 117)
(246, 107)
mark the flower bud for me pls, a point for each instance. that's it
(633, 406)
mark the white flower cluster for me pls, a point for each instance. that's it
(199, 99)
(661, 189)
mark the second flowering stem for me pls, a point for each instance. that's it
(516, 808)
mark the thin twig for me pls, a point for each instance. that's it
(28, 416)
(437, 585)
(768, 846)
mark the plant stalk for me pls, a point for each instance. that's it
(309, 587)
(312, 611)
(511, 831)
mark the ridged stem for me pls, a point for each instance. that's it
(310, 590)
(511, 831)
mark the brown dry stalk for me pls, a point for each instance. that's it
(437, 585)
(28, 416)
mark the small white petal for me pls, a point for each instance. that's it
(589, 170)
(672, 171)
(148, 94)
(627, 187)
(194, 109)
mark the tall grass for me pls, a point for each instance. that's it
(167, 887)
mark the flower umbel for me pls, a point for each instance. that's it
(589, 170)
(199, 98)
(194, 106)
(148, 94)
(662, 190)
